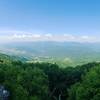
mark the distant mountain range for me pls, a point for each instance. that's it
(61, 52)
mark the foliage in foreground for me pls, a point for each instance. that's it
(88, 88)
(45, 81)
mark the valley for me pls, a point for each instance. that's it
(63, 53)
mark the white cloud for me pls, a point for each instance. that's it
(69, 36)
(11, 36)
(36, 35)
(85, 37)
(48, 35)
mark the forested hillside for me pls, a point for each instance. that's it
(46, 81)
(63, 53)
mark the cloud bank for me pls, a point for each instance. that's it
(17, 36)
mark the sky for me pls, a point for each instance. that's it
(57, 20)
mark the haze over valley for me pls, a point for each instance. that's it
(68, 53)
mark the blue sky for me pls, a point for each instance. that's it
(74, 17)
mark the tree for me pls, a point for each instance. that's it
(35, 82)
(89, 88)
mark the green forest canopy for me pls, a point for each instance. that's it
(46, 81)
